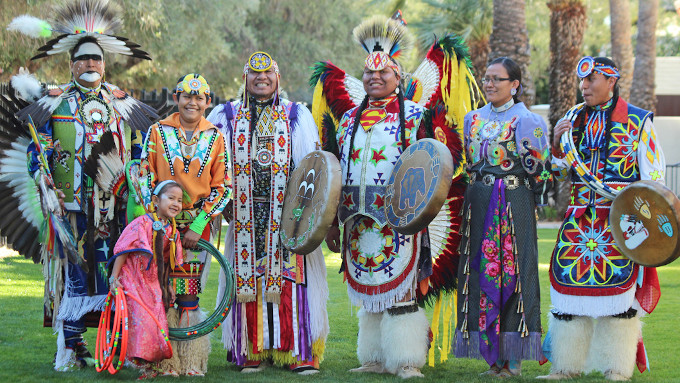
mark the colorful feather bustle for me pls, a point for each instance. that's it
(331, 100)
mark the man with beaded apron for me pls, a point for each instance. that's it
(280, 312)
(598, 295)
(187, 148)
(70, 121)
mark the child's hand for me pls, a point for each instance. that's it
(114, 282)
(173, 295)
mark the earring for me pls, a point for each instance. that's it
(611, 94)
(396, 90)
(513, 91)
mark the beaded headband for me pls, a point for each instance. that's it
(260, 62)
(194, 84)
(587, 65)
(379, 60)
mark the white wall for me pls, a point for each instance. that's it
(668, 132)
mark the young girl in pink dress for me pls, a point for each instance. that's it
(146, 250)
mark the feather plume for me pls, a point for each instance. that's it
(30, 26)
(380, 34)
(88, 16)
(98, 19)
(27, 85)
(104, 164)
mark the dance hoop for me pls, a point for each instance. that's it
(582, 171)
(220, 314)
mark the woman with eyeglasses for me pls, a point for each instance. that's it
(499, 318)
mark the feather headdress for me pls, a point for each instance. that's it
(389, 36)
(96, 19)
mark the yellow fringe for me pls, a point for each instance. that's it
(446, 338)
(435, 329)
(443, 311)
(260, 335)
(279, 358)
(319, 348)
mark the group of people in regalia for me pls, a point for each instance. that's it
(137, 230)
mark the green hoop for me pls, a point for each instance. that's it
(220, 314)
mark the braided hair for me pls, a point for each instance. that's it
(402, 116)
(355, 127)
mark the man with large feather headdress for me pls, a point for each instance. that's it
(368, 123)
(82, 133)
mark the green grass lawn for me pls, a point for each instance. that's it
(27, 349)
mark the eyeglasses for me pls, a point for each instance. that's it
(494, 80)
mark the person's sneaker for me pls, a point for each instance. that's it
(194, 373)
(72, 364)
(252, 366)
(407, 372)
(304, 368)
(83, 355)
(492, 371)
(374, 367)
(506, 373)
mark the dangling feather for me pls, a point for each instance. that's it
(105, 166)
(377, 34)
(30, 26)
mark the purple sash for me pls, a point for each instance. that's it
(497, 272)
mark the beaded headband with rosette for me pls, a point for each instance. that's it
(588, 65)
(383, 40)
(260, 62)
(73, 21)
(194, 84)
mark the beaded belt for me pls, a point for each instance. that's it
(511, 181)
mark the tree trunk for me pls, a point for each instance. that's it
(509, 37)
(479, 54)
(567, 26)
(622, 44)
(642, 93)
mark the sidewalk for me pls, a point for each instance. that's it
(548, 225)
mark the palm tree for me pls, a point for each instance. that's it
(622, 44)
(642, 93)
(470, 19)
(510, 37)
(567, 26)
